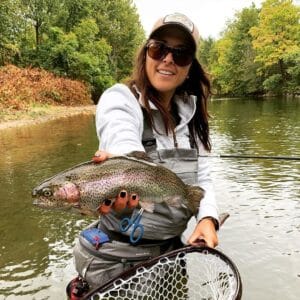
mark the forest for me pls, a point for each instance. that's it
(95, 42)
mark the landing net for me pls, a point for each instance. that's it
(198, 273)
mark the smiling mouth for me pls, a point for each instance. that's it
(165, 72)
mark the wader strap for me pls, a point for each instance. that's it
(148, 139)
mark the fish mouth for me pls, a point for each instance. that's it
(45, 203)
(36, 202)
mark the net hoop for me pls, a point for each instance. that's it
(133, 281)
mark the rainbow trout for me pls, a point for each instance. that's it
(85, 187)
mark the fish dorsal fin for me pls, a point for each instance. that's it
(136, 157)
(139, 155)
(195, 194)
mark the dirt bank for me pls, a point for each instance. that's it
(43, 114)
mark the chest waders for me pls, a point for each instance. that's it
(162, 228)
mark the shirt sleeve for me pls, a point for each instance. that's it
(208, 206)
(119, 121)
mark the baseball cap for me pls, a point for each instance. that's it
(179, 21)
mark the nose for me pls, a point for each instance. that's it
(168, 58)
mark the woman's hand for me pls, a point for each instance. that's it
(123, 200)
(101, 156)
(205, 230)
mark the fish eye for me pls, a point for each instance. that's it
(47, 192)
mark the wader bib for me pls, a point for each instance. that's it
(162, 228)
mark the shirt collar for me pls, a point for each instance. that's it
(186, 105)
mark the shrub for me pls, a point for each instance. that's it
(21, 87)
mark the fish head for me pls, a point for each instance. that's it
(57, 195)
(76, 196)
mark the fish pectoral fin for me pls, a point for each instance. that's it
(194, 194)
(147, 206)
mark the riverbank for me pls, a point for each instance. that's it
(40, 114)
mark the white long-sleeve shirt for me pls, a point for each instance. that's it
(120, 125)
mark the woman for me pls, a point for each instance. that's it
(162, 111)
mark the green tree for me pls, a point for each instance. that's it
(276, 40)
(10, 28)
(241, 55)
(40, 13)
(91, 40)
(119, 25)
(219, 65)
(204, 51)
(232, 57)
(91, 60)
(72, 12)
(79, 54)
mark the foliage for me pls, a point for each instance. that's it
(89, 40)
(258, 51)
(21, 87)
(95, 41)
(233, 67)
(276, 38)
(10, 27)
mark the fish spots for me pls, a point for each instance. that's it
(118, 183)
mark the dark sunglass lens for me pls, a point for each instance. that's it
(182, 57)
(156, 50)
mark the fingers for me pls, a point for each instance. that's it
(133, 200)
(101, 156)
(105, 207)
(203, 241)
(122, 201)
(204, 231)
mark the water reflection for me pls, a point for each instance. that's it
(259, 126)
(262, 196)
(36, 245)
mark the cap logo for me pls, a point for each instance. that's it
(181, 19)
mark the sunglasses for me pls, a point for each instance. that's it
(158, 50)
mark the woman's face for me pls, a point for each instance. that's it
(165, 75)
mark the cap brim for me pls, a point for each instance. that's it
(167, 28)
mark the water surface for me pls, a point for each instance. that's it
(262, 196)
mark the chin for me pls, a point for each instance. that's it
(163, 88)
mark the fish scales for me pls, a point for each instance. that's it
(86, 186)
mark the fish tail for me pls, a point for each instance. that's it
(194, 194)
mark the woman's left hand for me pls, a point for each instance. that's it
(205, 230)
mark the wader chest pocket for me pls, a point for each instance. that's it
(95, 237)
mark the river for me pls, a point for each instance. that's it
(261, 195)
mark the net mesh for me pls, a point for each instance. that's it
(196, 275)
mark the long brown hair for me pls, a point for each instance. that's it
(196, 84)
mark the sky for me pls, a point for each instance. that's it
(210, 16)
